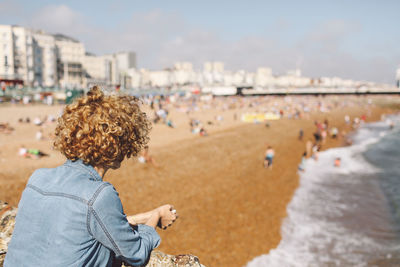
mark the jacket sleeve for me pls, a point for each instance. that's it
(107, 223)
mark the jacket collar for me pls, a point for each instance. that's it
(78, 164)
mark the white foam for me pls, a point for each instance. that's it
(311, 234)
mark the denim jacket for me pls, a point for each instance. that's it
(68, 216)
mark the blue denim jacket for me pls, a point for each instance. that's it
(68, 216)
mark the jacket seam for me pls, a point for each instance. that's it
(96, 194)
(56, 194)
(90, 204)
(88, 221)
(105, 230)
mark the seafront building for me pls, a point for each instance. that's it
(17, 54)
(35, 58)
(70, 55)
(45, 64)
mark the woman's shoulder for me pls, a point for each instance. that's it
(106, 196)
(70, 182)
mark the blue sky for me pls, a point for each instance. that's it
(349, 39)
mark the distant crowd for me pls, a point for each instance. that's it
(161, 110)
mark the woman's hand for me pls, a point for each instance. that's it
(162, 217)
(168, 215)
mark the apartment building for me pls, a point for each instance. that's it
(16, 55)
(45, 64)
(96, 70)
(70, 57)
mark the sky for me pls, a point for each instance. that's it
(349, 39)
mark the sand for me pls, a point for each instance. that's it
(230, 207)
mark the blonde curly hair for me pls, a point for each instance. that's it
(102, 130)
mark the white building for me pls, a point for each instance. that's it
(96, 70)
(45, 59)
(185, 66)
(215, 66)
(136, 78)
(70, 55)
(125, 60)
(16, 54)
(160, 78)
(119, 66)
(263, 77)
(36, 58)
(183, 74)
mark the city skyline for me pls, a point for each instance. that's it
(350, 40)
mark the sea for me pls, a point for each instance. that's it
(347, 215)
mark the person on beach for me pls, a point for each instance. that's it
(337, 162)
(6, 128)
(301, 134)
(39, 135)
(317, 136)
(334, 132)
(23, 151)
(302, 164)
(269, 156)
(315, 151)
(145, 157)
(36, 153)
(69, 216)
(170, 123)
(31, 153)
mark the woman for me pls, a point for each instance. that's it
(68, 216)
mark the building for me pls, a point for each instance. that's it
(118, 68)
(97, 70)
(183, 74)
(215, 66)
(263, 77)
(125, 60)
(45, 64)
(36, 58)
(16, 55)
(161, 78)
(70, 57)
(183, 66)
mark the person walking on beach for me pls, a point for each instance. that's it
(301, 134)
(69, 216)
(269, 156)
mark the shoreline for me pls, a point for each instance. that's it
(231, 209)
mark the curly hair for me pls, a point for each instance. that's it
(102, 130)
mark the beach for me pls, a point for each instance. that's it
(231, 207)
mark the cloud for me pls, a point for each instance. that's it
(61, 19)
